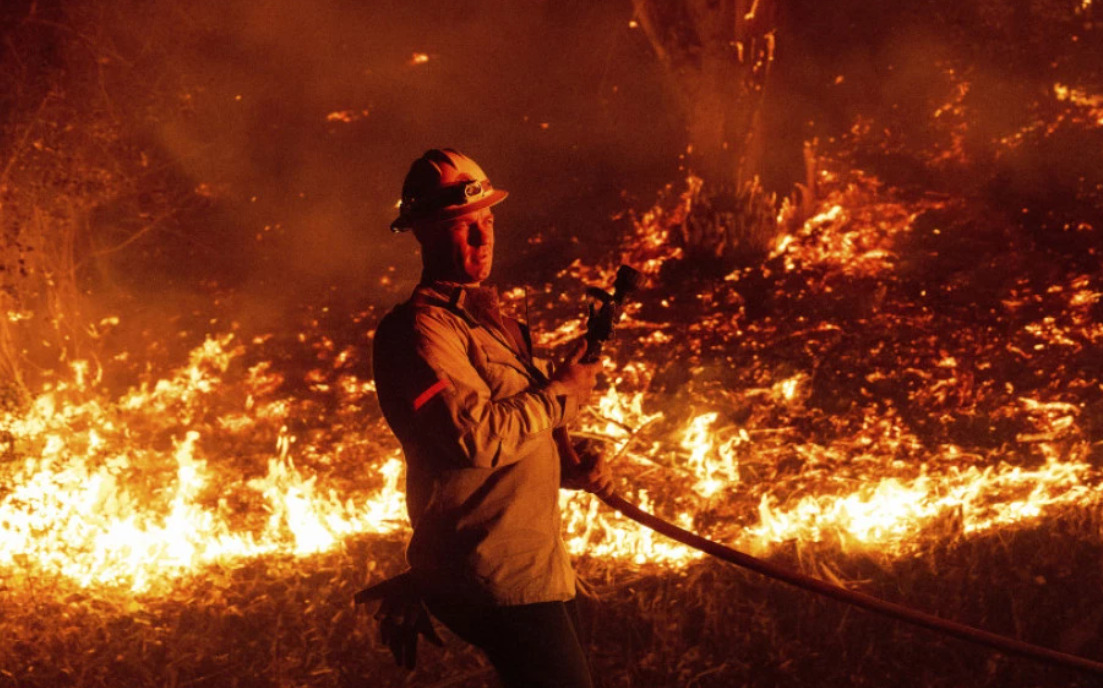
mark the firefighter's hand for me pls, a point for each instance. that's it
(400, 624)
(573, 377)
(585, 469)
(402, 618)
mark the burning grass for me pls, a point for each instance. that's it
(904, 397)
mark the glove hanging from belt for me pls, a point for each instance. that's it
(402, 617)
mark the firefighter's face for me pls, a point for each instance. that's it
(460, 249)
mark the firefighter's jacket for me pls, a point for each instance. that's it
(459, 388)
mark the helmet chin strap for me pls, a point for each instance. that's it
(431, 273)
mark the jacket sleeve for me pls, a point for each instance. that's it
(455, 412)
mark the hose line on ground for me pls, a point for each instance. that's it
(852, 597)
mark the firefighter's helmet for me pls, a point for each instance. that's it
(443, 184)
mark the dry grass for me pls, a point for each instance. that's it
(292, 623)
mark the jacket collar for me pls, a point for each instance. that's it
(479, 307)
(476, 304)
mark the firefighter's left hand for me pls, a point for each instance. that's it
(587, 470)
(400, 624)
(402, 618)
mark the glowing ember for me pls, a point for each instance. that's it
(1092, 104)
(346, 116)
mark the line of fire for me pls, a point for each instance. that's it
(866, 346)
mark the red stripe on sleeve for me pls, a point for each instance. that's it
(424, 398)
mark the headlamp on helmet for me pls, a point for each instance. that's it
(443, 184)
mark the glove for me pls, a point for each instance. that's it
(402, 617)
(584, 468)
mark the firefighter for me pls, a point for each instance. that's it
(482, 424)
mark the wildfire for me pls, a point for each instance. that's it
(222, 460)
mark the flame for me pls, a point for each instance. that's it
(716, 469)
(91, 504)
(894, 512)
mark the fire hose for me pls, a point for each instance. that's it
(870, 603)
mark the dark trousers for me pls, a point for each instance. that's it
(530, 645)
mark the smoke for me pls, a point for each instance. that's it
(269, 138)
(285, 129)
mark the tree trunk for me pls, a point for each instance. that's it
(717, 55)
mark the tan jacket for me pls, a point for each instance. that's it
(458, 387)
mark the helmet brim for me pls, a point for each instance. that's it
(405, 222)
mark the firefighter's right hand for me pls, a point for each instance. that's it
(573, 377)
(584, 468)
